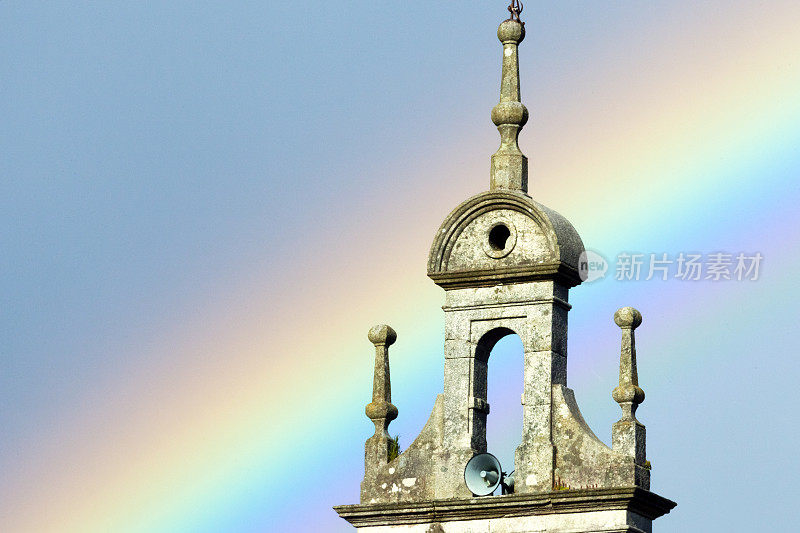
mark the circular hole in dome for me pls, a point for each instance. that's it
(498, 237)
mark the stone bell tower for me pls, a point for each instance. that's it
(506, 264)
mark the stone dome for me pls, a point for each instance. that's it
(502, 237)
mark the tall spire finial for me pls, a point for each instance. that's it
(509, 165)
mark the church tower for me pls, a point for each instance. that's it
(506, 264)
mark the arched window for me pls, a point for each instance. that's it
(504, 394)
(500, 369)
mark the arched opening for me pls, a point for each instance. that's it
(503, 355)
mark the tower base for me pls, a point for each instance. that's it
(570, 511)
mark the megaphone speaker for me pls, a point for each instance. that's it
(483, 474)
(508, 483)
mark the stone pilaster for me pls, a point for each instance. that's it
(545, 366)
(464, 387)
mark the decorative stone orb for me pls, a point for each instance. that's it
(628, 317)
(511, 31)
(382, 334)
(628, 393)
(381, 409)
(510, 113)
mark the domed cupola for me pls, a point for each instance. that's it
(502, 235)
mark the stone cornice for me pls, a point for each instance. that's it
(640, 501)
(490, 277)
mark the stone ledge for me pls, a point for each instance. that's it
(640, 501)
(508, 305)
(459, 279)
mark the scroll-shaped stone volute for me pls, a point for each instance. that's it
(628, 435)
(380, 410)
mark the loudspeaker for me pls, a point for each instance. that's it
(508, 483)
(483, 474)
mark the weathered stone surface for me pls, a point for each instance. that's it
(509, 168)
(557, 448)
(567, 511)
(380, 410)
(499, 295)
(628, 434)
(409, 477)
(507, 263)
(542, 245)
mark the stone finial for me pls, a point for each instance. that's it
(382, 335)
(628, 435)
(628, 394)
(380, 410)
(509, 165)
